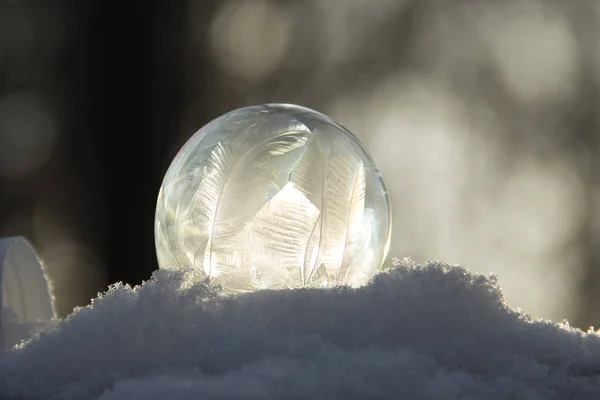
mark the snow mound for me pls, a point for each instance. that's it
(418, 332)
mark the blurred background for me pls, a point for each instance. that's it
(484, 118)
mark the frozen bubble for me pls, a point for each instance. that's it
(271, 197)
(25, 296)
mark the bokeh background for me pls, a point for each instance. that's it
(484, 118)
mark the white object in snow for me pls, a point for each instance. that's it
(24, 293)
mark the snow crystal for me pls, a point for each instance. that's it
(418, 332)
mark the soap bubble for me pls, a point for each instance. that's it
(272, 197)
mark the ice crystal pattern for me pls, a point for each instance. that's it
(271, 197)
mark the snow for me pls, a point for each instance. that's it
(416, 332)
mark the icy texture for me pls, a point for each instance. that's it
(271, 197)
(25, 297)
(433, 332)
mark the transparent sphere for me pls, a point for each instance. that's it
(271, 197)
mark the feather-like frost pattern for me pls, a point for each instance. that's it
(333, 181)
(227, 196)
(341, 172)
(354, 227)
(275, 248)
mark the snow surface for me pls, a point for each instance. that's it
(416, 332)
